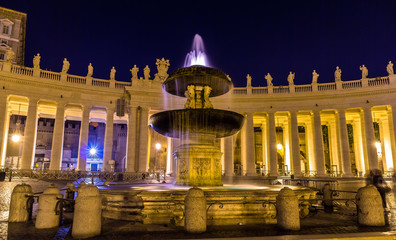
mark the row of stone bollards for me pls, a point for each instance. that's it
(88, 209)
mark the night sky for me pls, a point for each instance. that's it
(240, 37)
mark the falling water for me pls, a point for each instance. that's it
(197, 55)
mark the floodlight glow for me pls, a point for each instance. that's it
(15, 138)
(279, 146)
(158, 146)
(92, 151)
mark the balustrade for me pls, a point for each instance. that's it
(49, 75)
(76, 79)
(100, 83)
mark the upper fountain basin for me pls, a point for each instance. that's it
(177, 81)
(174, 123)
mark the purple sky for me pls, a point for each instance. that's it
(254, 37)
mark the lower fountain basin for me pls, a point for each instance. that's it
(174, 123)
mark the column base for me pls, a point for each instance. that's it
(347, 175)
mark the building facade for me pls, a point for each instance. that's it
(342, 128)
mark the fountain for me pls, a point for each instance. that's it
(198, 125)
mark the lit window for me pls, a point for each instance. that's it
(6, 29)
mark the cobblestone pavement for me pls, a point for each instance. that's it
(336, 224)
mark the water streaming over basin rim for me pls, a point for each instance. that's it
(174, 123)
(177, 81)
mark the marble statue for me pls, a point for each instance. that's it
(10, 55)
(364, 71)
(190, 95)
(36, 61)
(162, 67)
(248, 80)
(146, 72)
(389, 68)
(290, 78)
(337, 74)
(90, 70)
(134, 72)
(269, 79)
(207, 103)
(112, 73)
(66, 66)
(315, 76)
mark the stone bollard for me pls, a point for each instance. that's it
(369, 206)
(19, 206)
(195, 211)
(288, 215)
(87, 220)
(46, 214)
(327, 199)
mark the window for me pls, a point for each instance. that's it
(2, 56)
(6, 29)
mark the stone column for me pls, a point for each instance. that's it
(228, 157)
(83, 142)
(309, 138)
(250, 146)
(318, 140)
(287, 145)
(29, 139)
(57, 138)
(387, 142)
(370, 139)
(264, 145)
(131, 164)
(143, 140)
(392, 131)
(272, 156)
(343, 138)
(358, 143)
(108, 141)
(295, 145)
(4, 120)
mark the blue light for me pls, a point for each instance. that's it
(93, 151)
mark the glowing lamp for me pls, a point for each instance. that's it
(279, 146)
(92, 151)
(15, 138)
(158, 146)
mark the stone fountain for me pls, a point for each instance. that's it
(198, 125)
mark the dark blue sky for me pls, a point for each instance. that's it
(243, 37)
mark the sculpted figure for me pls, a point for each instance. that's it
(134, 72)
(36, 61)
(90, 70)
(315, 76)
(112, 73)
(337, 74)
(190, 95)
(269, 79)
(146, 72)
(207, 103)
(290, 78)
(162, 67)
(364, 71)
(248, 80)
(389, 68)
(10, 55)
(66, 66)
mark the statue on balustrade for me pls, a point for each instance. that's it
(389, 68)
(10, 55)
(248, 80)
(146, 72)
(112, 73)
(66, 66)
(337, 74)
(134, 72)
(90, 70)
(364, 71)
(207, 102)
(162, 67)
(290, 78)
(36, 61)
(269, 79)
(315, 76)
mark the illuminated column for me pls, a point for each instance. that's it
(392, 133)
(309, 138)
(4, 125)
(144, 143)
(272, 156)
(83, 142)
(250, 147)
(343, 138)
(228, 156)
(131, 164)
(108, 141)
(286, 145)
(169, 157)
(358, 142)
(334, 146)
(295, 146)
(318, 139)
(57, 138)
(370, 139)
(264, 146)
(29, 139)
(382, 145)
